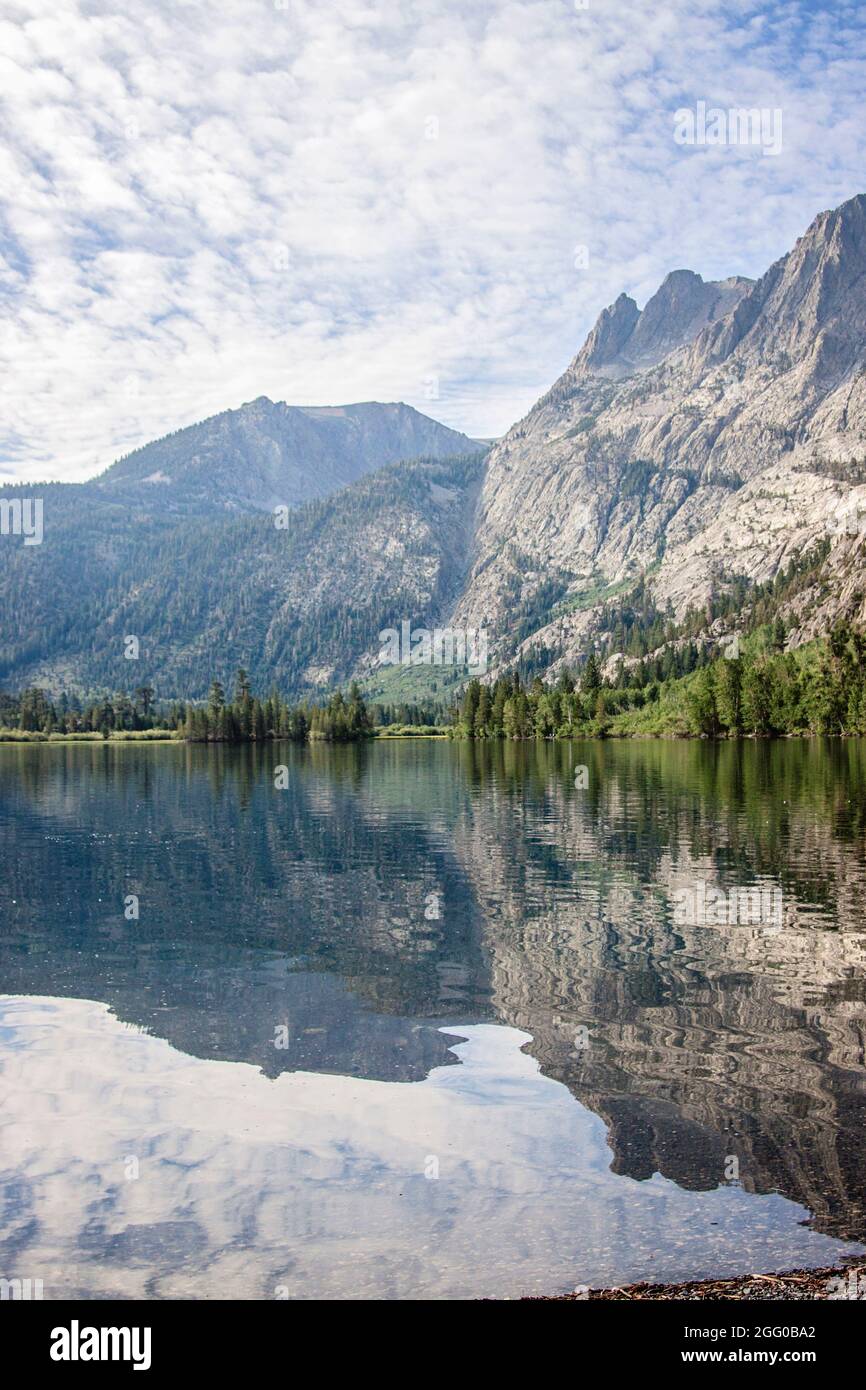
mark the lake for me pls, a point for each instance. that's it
(421, 1019)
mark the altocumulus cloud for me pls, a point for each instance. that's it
(203, 203)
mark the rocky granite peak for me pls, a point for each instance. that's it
(713, 435)
(626, 340)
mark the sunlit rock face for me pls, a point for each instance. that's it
(719, 431)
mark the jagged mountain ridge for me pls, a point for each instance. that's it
(713, 460)
(626, 340)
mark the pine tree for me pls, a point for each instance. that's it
(144, 696)
(216, 701)
(469, 707)
(729, 694)
(591, 681)
(481, 727)
(500, 695)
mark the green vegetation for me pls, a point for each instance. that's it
(33, 714)
(297, 605)
(818, 689)
(34, 717)
(122, 736)
(247, 718)
(762, 692)
(411, 731)
(415, 694)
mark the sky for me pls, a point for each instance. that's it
(428, 201)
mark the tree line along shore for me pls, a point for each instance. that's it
(762, 691)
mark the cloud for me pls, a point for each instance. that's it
(202, 204)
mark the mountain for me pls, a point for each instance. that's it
(626, 340)
(268, 454)
(177, 544)
(298, 604)
(690, 452)
(722, 457)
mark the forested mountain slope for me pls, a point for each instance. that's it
(299, 603)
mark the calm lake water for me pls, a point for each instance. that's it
(429, 1020)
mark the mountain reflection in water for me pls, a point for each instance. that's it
(395, 900)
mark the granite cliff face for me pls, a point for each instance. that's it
(716, 434)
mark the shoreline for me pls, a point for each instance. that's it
(827, 1283)
(18, 737)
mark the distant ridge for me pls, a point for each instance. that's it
(266, 454)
